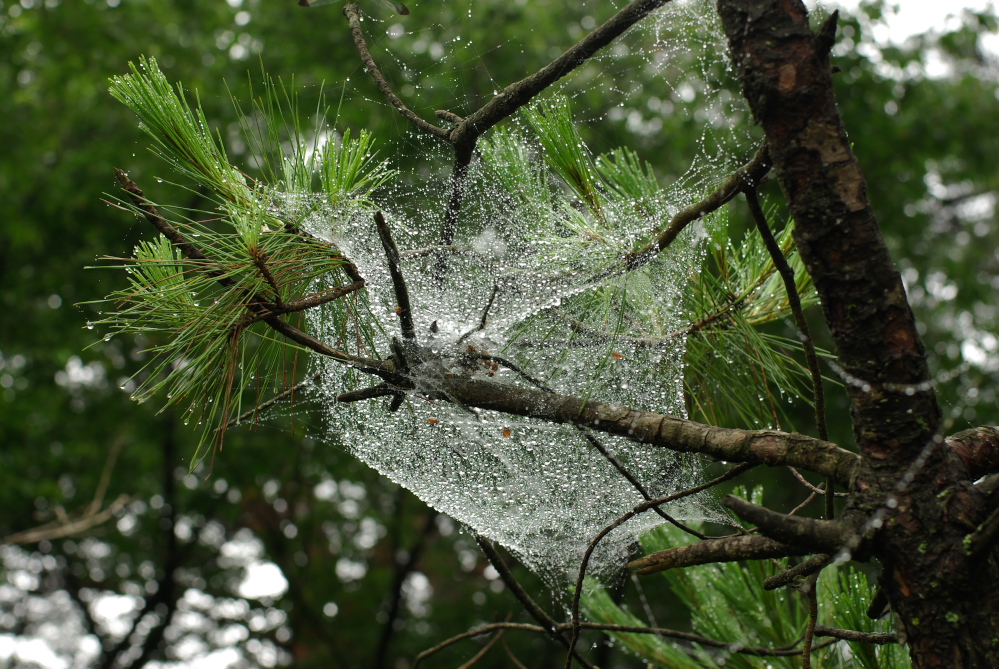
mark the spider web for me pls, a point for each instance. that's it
(529, 285)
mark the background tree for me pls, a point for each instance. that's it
(134, 561)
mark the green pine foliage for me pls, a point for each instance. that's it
(212, 353)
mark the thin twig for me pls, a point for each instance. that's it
(309, 302)
(301, 385)
(808, 500)
(513, 658)
(636, 483)
(735, 648)
(810, 588)
(516, 95)
(485, 649)
(879, 638)
(532, 608)
(809, 566)
(750, 173)
(794, 301)
(402, 571)
(404, 310)
(482, 322)
(354, 17)
(260, 260)
(472, 633)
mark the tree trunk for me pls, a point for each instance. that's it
(914, 493)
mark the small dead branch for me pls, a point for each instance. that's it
(723, 549)
(811, 534)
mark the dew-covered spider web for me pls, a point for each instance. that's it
(533, 291)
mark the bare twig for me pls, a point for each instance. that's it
(532, 608)
(723, 549)
(750, 173)
(513, 658)
(402, 570)
(485, 649)
(67, 525)
(809, 566)
(482, 322)
(736, 648)
(516, 95)
(794, 301)
(645, 506)
(308, 302)
(879, 638)
(637, 484)
(404, 310)
(354, 17)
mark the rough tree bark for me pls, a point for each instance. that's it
(916, 494)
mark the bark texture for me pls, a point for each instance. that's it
(913, 493)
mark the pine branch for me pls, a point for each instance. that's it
(769, 447)
(518, 94)
(256, 304)
(750, 173)
(809, 566)
(354, 18)
(815, 535)
(724, 549)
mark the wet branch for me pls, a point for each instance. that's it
(404, 309)
(749, 174)
(878, 638)
(766, 447)
(354, 18)
(809, 533)
(724, 549)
